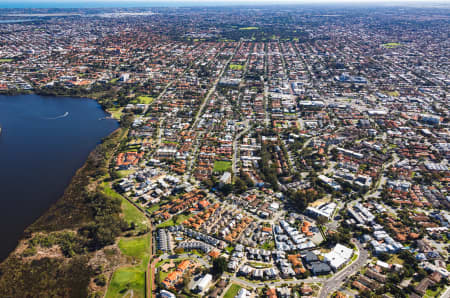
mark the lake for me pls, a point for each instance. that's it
(44, 140)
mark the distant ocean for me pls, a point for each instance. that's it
(110, 4)
(94, 4)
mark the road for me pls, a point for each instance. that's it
(213, 88)
(334, 283)
(266, 103)
(191, 160)
(446, 294)
(235, 145)
(329, 284)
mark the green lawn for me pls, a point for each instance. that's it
(391, 45)
(260, 265)
(430, 293)
(115, 112)
(236, 67)
(125, 173)
(131, 278)
(137, 247)
(232, 291)
(222, 166)
(153, 208)
(395, 260)
(145, 99)
(128, 278)
(229, 249)
(130, 213)
(179, 220)
(249, 28)
(165, 224)
(162, 262)
(5, 60)
(268, 245)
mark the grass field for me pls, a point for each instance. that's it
(249, 28)
(393, 93)
(153, 208)
(391, 45)
(116, 112)
(395, 260)
(260, 265)
(236, 67)
(5, 60)
(137, 247)
(124, 173)
(145, 99)
(162, 262)
(232, 291)
(430, 293)
(127, 279)
(269, 245)
(222, 166)
(179, 219)
(130, 213)
(229, 249)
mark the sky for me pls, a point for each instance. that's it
(149, 3)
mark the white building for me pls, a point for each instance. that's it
(204, 282)
(339, 256)
(243, 293)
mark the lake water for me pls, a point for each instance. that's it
(44, 140)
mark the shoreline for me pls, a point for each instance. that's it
(45, 94)
(26, 233)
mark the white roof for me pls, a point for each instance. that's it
(338, 256)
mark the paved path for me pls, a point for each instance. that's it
(151, 278)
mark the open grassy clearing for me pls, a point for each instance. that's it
(172, 222)
(132, 278)
(124, 173)
(130, 213)
(128, 278)
(153, 208)
(142, 100)
(222, 166)
(391, 45)
(145, 99)
(236, 67)
(393, 93)
(162, 262)
(116, 113)
(5, 60)
(232, 291)
(395, 260)
(137, 247)
(249, 28)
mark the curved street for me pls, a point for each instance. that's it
(334, 283)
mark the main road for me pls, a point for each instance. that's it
(336, 281)
(235, 146)
(191, 160)
(330, 285)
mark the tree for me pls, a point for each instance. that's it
(219, 266)
(239, 186)
(299, 200)
(321, 220)
(227, 189)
